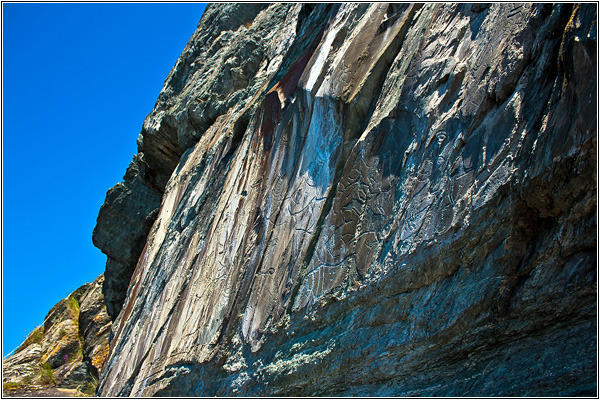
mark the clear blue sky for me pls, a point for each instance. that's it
(78, 81)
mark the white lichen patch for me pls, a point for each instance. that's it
(291, 365)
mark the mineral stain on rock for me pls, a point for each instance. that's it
(362, 200)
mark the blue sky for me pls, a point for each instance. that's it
(78, 81)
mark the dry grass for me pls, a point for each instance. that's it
(34, 337)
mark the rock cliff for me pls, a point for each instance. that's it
(66, 352)
(362, 199)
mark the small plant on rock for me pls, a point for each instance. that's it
(73, 305)
(89, 388)
(34, 337)
(11, 386)
(47, 374)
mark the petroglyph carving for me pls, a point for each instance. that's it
(385, 192)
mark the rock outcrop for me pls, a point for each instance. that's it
(66, 352)
(362, 199)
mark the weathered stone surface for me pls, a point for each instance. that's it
(74, 375)
(22, 366)
(94, 326)
(229, 59)
(122, 226)
(67, 351)
(368, 199)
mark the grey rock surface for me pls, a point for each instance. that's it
(122, 226)
(363, 200)
(74, 375)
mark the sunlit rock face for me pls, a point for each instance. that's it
(366, 199)
(67, 351)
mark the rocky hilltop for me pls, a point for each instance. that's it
(362, 199)
(64, 355)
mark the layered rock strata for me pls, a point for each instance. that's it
(363, 199)
(67, 351)
(217, 71)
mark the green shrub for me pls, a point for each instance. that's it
(89, 388)
(47, 374)
(73, 305)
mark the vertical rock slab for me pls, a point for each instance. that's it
(394, 200)
(226, 62)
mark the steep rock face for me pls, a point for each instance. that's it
(67, 351)
(379, 200)
(232, 55)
